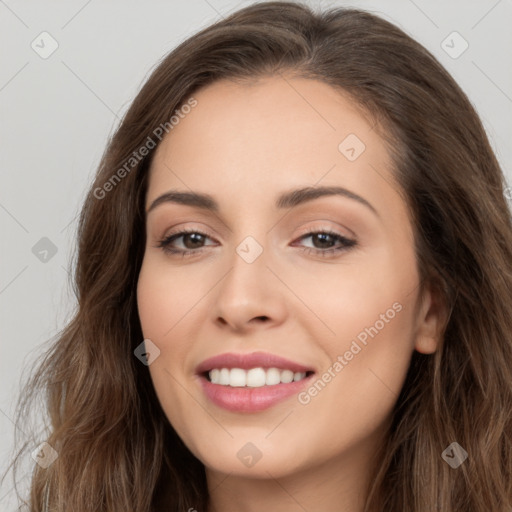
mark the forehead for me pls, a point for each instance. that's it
(247, 140)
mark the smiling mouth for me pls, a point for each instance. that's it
(253, 378)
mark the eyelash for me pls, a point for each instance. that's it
(347, 243)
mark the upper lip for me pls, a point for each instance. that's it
(248, 361)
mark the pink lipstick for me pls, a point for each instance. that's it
(251, 382)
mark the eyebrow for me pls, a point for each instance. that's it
(288, 199)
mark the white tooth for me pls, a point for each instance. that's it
(224, 377)
(256, 377)
(237, 377)
(286, 376)
(273, 376)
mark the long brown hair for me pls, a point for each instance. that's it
(117, 450)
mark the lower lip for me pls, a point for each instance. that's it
(247, 399)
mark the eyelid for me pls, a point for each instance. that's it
(302, 232)
(338, 229)
(187, 229)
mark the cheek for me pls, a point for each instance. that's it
(163, 303)
(367, 334)
(367, 365)
(165, 297)
(363, 299)
(163, 300)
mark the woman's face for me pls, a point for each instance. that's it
(279, 267)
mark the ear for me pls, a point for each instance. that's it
(432, 319)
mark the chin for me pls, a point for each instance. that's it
(252, 459)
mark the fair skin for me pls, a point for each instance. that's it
(244, 145)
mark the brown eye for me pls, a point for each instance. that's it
(192, 242)
(323, 242)
(194, 239)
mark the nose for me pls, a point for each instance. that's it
(249, 296)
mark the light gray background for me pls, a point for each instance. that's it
(56, 114)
